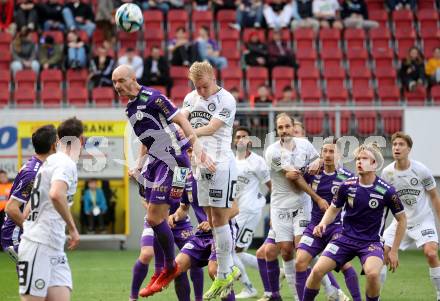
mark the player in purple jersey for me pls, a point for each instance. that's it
(366, 200)
(44, 142)
(152, 116)
(325, 184)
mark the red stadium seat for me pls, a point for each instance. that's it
(25, 78)
(5, 79)
(51, 78)
(232, 77)
(365, 122)
(4, 97)
(345, 122)
(363, 95)
(428, 18)
(392, 121)
(354, 38)
(334, 75)
(232, 55)
(77, 78)
(360, 76)
(285, 35)
(52, 97)
(416, 97)
(402, 18)
(313, 123)
(179, 74)
(57, 36)
(154, 38)
(248, 32)
(77, 96)
(304, 38)
(103, 96)
(329, 38)
(202, 18)
(177, 18)
(153, 20)
(224, 18)
(306, 58)
(382, 57)
(386, 75)
(281, 77)
(310, 92)
(380, 38)
(337, 93)
(5, 60)
(178, 94)
(376, 5)
(389, 95)
(331, 57)
(256, 76)
(229, 39)
(25, 97)
(435, 94)
(379, 16)
(127, 39)
(405, 37)
(426, 4)
(308, 73)
(161, 89)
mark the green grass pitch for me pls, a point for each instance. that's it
(106, 275)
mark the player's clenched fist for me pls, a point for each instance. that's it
(319, 230)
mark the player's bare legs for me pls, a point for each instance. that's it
(321, 268)
(58, 293)
(372, 267)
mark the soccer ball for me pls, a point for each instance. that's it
(129, 17)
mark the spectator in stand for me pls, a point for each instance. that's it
(287, 99)
(5, 191)
(412, 71)
(95, 206)
(52, 15)
(134, 60)
(355, 15)
(201, 5)
(327, 13)
(278, 14)
(105, 20)
(249, 14)
(50, 54)
(79, 15)
(76, 51)
(24, 52)
(101, 68)
(183, 52)
(26, 15)
(399, 4)
(209, 50)
(256, 51)
(156, 70)
(298, 129)
(263, 97)
(432, 68)
(302, 13)
(7, 16)
(280, 52)
(163, 5)
(236, 93)
(223, 4)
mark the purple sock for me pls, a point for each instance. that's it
(351, 280)
(183, 290)
(230, 297)
(301, 278)
(159, 257)
(273, 273)
(310, 294)
(197, 280)
(262, 267)
(333, 280)
(372, 298)
(165, 237)
(139, 272)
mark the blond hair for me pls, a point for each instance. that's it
(373, 150)
(199, 69)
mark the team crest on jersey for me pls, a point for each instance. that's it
(211, 107)
(373, 203)
(334, 189)
(139, 115)
(414, 181)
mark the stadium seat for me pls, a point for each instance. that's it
(161, 89)
(389, 95)
(178, 94)
(247, 32)
(56, 34)
(362, 95)
(354, 38)
(402, 18)
(304, 38)
(176, 18)
(4, 97)
(380, 38)
(229, 39)
(97, 37)
(430, 39)
(428, 18)
(345, 122)
(307, 58)
(224, 18)
(379, 16)
(103, 96)
(202, 18)
(375, 5)
(391, 121)
(232, 77)
(153, 20)
(405, 38)
(256, 76)
(435, 95)
(179, 74)
(154, 38)
(285, 35)
(25, 97)
(416, 97)
(329, 38)
(5, 79)
(77, 78)
(305, 74)
(313, 123)
(52, 97)
(386, 75)
(51, 78)
(25, 79)
(426, 4)
(232, 55)
(5, 60)
(336, 93)
(127, 39)
(281, 77)
(5, 38)
(77, 96)
(365, 122)
(382, 57)
(331, 56)
(334, 75)
(311, 93)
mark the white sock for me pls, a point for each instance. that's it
(248, 260)
(244, 276)
(330, 290)
(383, 275)
(289, 270)
(434, 273)
(223, 249)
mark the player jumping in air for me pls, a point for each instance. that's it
(415, 186)
(44, 272)
(366, 200)
(152, 116)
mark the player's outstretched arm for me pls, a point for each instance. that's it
(328, 218)
(435, 200)
(12, 209)
(393, 255)
(180, 214)
(58, 195)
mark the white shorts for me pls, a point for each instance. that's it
(247, 224)
(41, 267)
(218, 189)
(419, 234)
(288, 223)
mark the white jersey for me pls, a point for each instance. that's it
(411, 185)
(220, 105)
(44, 224)
(251, 172)
(279, 159)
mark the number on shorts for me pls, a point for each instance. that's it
(35, 198)
(233, 193)
(22, 272)
(246, 235)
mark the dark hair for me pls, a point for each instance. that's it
(130, 49)
(403, 136)
(205, 28)
(287, 88)
(180, 28)
(419, 58)
(70, 127)
(3, 171)
(243, 128)
(43, 138)
(49, 40)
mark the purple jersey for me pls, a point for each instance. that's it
(325, 185)
(20, 191)
(366, 208)
(150, 115)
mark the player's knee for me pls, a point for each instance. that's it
(261, 254)
(146, 256)
(287, 254)
(271, 253)
(301, 264)
(372, 276)
(317, 273)
(431, 254)
(153, 220)
(238, 250)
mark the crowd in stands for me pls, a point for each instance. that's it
(234, 36)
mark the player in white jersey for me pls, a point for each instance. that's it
(415, 186)
(211, 112)
(290, 213)
(252, 172)
(44, 272)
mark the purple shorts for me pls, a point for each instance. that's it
(182, 235)
(6, 243)
(315, 245)
(344, 249)
(199, 249)
(159, 181)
